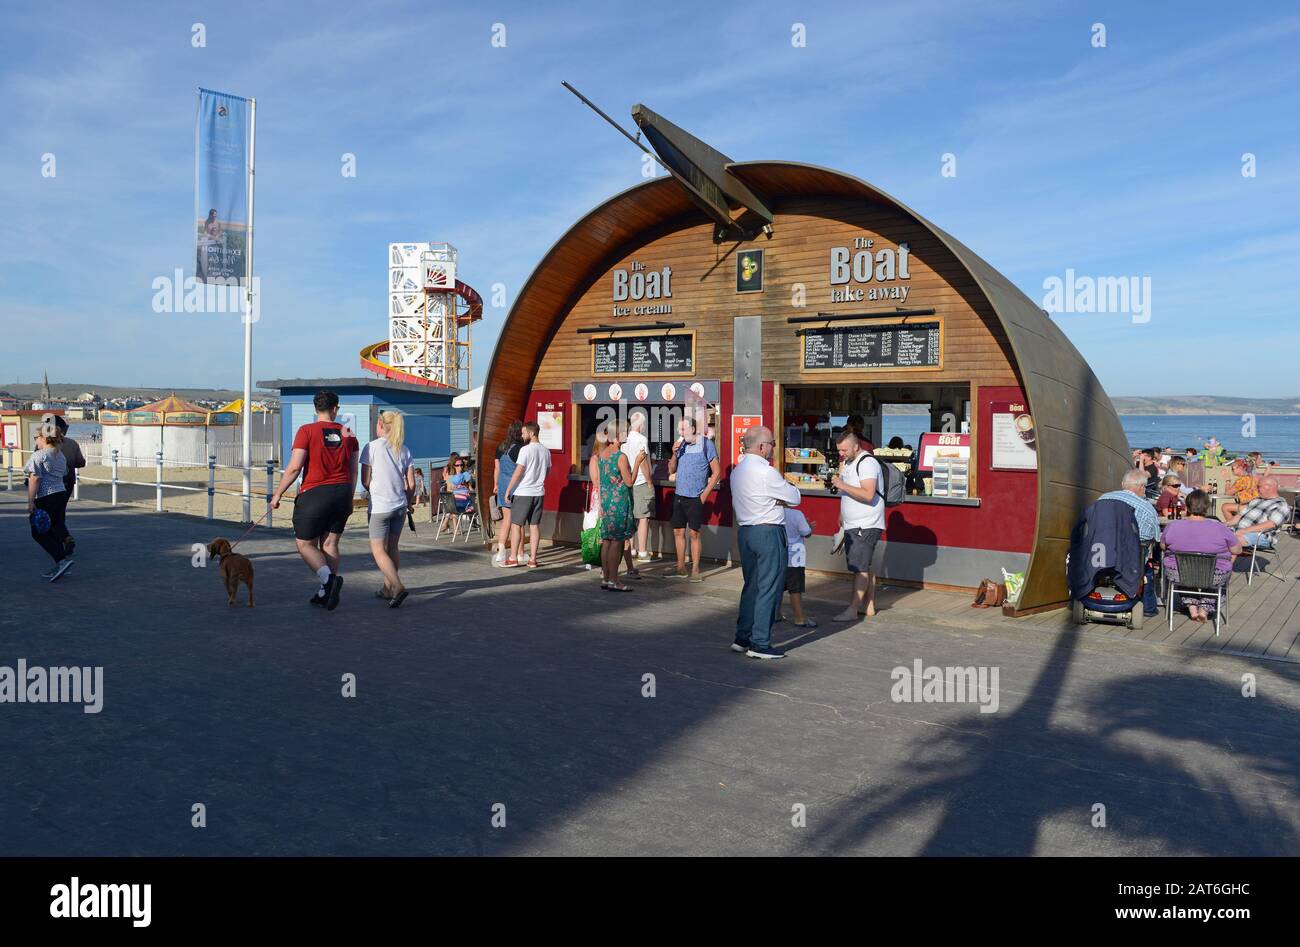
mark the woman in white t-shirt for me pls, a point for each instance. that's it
(388, 476)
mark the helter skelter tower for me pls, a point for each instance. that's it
(430, 319)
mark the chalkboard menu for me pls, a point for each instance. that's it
(891, 345)
(644, 355)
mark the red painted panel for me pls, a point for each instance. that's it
(1003, 521)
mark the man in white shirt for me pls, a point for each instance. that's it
(862, 514)
(526, 493)
(759, 496)
(636, 448)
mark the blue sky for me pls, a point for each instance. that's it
(1119, 161)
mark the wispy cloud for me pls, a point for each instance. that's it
(1115, 161)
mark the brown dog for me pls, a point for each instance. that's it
(233, 568)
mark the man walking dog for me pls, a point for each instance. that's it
(325, 453)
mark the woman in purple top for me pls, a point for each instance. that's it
(1195, 533)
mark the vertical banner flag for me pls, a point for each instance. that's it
(221, 188)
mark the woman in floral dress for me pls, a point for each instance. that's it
(609, 469)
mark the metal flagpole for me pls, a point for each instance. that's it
(248, 317)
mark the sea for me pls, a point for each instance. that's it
(1276, 436)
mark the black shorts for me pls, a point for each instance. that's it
(687, 511)
(321, 510)
(860, 548)
(794, 579)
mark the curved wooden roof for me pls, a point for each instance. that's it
(1082, 448)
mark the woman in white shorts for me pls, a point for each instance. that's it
(389, 478)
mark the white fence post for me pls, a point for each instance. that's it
(76, 484)
(114, 497)
(10, 485)
(270, 490)
(158, 480)
(212, 482)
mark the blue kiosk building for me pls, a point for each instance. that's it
(434, 427)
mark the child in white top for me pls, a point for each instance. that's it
(797, 529)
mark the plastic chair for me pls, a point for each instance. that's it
(447, 508)
(1196, 576)
(1267, 541)
(475, 521)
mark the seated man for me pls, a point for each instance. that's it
(1266, 512)
(1134, 494)
(1146, 461)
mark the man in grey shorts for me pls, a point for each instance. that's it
(862, 514)
(636, 447)
(526, 493)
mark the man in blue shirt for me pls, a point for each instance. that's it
(1134, 494)
(695, 466)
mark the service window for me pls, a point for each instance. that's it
(923, 430)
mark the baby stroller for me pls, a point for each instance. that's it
(1105, 566)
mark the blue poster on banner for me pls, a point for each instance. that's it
(221, 187)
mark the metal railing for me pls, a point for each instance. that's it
(231, 455)
(114, 480)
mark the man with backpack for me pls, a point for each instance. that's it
(325, 453)
(863, 488)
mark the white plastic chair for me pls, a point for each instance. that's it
(1271, 545)
(469, 518)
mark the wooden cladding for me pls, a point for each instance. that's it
(995, 336)
(796, 270)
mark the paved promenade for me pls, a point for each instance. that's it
(524, 689)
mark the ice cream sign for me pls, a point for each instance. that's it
(636, 283)
(863, 264)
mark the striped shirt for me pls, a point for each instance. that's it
(1148, 521)
(1275, 510)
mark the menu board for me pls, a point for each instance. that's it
(644, 355)
(1015, 442)
(889, 345)
(551, 425)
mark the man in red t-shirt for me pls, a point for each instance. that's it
(325, 453)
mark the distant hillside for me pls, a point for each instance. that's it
(1206, 404)
(60, 391)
